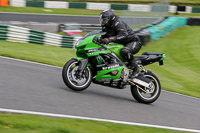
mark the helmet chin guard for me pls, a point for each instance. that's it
(103, 21)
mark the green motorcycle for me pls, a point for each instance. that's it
(103, 64)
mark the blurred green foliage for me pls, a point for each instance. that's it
(16, 123)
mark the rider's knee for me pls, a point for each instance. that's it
(126, 53)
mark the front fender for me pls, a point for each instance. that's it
(80, 58)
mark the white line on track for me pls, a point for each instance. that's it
(96, 119)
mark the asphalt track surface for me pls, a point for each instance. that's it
(35, 87)
(44, 18)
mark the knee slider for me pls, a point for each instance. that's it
(126, 53)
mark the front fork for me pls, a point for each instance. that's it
(82, 64)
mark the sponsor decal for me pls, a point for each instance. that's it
(99, 60)
(106, 79)
(109, 67)
(91, 50)
(101, 65)
(113, 46)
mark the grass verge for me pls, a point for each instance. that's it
(80, 12)
(39, 53)
(180, 73)
(16, 123)
(52, 11)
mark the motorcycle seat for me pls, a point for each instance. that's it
(148, 58)
(142, 57)
(151, 53)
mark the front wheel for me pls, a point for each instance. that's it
(147, 95)
(71, 78)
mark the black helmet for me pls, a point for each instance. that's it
(107, 17)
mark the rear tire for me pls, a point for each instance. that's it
(70, 79)
(147, 98)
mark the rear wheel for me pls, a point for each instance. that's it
(71, 78)
(150, 94)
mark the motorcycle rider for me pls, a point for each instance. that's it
(118, 31)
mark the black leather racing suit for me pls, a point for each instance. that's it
(123, 34)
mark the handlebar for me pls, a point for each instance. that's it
(97, 41)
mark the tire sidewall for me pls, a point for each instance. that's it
(68, 82)
(139, 98)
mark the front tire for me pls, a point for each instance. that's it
(151, 94)
(71, 80)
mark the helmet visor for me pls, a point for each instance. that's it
(103, 21)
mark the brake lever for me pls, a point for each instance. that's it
(98, 43)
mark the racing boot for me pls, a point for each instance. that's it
(135, 69)
(131, 62)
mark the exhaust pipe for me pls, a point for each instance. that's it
(141, 80)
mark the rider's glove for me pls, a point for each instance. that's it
(108, 40)
(96, 40)
(105, 41)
